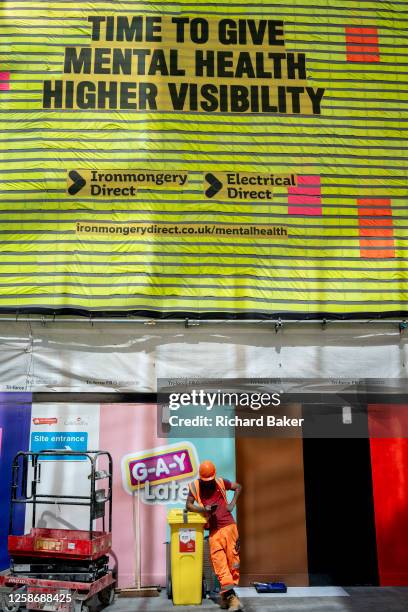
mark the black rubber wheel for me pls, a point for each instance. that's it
(7, 605)
(107, 596)
(82, 606)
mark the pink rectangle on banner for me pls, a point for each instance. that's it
(304, 199)
(4, 81)
(306, 194)
(308, 180)
(305, 210)
(312, 191)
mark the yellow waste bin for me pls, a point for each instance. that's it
(186, 554)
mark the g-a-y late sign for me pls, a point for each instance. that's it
(161, 474)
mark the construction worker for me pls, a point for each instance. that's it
(210, 493)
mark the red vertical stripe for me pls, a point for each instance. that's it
(371, 225)
(362, 45)
(389, 460)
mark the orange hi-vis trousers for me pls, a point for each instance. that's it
(224, 553)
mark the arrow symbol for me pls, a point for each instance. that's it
(215, 185)
(78, 182)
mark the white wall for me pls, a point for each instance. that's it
(129, 357)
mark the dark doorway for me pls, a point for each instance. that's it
(341, 538)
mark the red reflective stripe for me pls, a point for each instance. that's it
(379, 253)
(363, 57)
(373, 202)
(362, 30)
(366, 242)
(353, 39)
(373, 222)
(362, 48)
(368, 231)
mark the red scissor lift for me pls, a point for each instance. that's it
(59, 569)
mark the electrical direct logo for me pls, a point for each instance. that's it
(244, 186)
(160, 475)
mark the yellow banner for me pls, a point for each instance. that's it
(193, 159)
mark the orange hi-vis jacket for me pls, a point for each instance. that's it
(194, 488)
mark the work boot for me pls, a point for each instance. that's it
(233, 603)
(224, 605)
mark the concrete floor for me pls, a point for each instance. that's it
(355, 599)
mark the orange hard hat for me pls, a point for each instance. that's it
(207, 470)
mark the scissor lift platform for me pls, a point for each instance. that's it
(58, 569)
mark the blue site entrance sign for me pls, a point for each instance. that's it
(60, 440)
